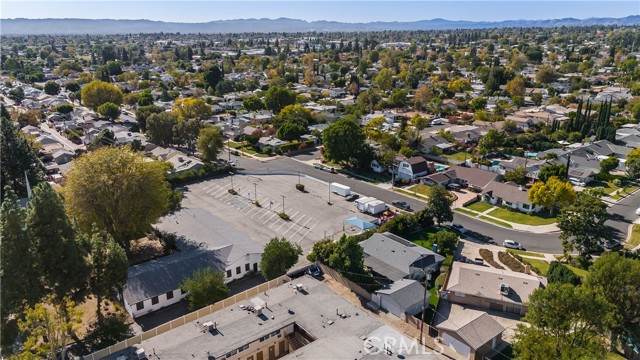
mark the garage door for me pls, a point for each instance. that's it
(456, 345)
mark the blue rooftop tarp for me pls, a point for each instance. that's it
(360, 223)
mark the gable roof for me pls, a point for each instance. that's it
(476, 328)
(418, 164)
(485, 282)
(473, 176)
(393, 257)
(405, 292)
(508, 191)
(165, 274)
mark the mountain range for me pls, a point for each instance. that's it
(23, 26)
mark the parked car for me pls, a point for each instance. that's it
(478, 261)
(638, 211)
(454, 187)
(352, 197)
(314, 271)
(511, 244)
(459, 228)
(612, 245)
(577, 182)
(401, 205)
(235, 152)
(318, 166)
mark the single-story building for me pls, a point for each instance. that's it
(396, 258)
(490, 288)
(471, 333)
(402, 297)
(63, 156)
(270, 142)
(511, 195)
(156, 284)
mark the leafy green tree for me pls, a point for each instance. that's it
(51, 88)
(633, 163)
(205, 287)
(109, 110)
(419, 122)
(18, 157)
(517, 175)
(145, 98)
(447, 242)
(516, 87)
(186, 132)
(582, 224)
(212, 76)
(552, 193)
(491, 141)
(105, 137)
(536, 98)
(609, 164)
(16, 94)
(384, 79)
(557, 170)
(439, 206)
(109, 266)
(294, 114)
(160, 128)
(64, 108)
(560, 273)
(347, 255)
(191, 108)
(18, 272)
(143, 113)
(478, 103)
(290, 131)
(252, 103)
(342, 139)
(278, 257)
(72, 86)
(109, 331)
(60, 262)
(277, 97)
(617, 279)
(118, 190)
(210, 143)
(546, 75)
(97, 93)
(565, 322)
(322, 251)
(49, 327)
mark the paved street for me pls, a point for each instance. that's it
(623, 212)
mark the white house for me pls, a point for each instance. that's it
(404, 296)
(509, 194)
(156, 284)
(411, 168)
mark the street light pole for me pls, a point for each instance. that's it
(231, 181)
(298, 177)
(283, 203)
(229, 148)
(255, 191)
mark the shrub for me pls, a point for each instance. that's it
(511, 262)
(206, 172)
(257, 203)
(284, 216)
(487, 256)
(300, 187)
(559, 273)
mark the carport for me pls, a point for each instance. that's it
(361, 224)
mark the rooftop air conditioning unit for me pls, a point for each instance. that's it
(504, 289)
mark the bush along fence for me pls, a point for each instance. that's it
(208, 171)
(187, 319)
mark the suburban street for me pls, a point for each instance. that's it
(623, 213)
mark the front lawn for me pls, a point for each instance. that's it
(624, 192)
(497, 222)
(541, 267)
(607, 186)
(420, 189)
(578, 271)
(479, 206)
(465, 211)
(634, 239)
(459, 156)
(521, 218)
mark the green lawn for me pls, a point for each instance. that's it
(521, 218)
(578, 271)
(410, 193)
(420, 189)
(539, 266)
(465, 211)
(614, 356)
(460, 156)
(433, 297)
(607, 186)
(525, 253)
(625, 191)
(498, 222)
(634, 240)
(479, 206)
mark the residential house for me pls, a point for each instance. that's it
(581, 176)
(182, 163)
(396, 258)
(432, 141)
(270, 142)
(156, 284)
(471, 333)
(490, 288)
(402, 297)
(472, 177)
(509, 194)
(410, 168)
(63, 156)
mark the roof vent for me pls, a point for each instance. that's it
(504, 289)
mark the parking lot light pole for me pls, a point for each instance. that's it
(255, 191)
(427, 278)
(229, 148)
(283, 203)
(329, 194)
(298, 177)
(231, 180)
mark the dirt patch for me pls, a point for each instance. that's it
(89, 316)
(145, 249)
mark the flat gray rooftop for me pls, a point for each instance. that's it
(311, 309)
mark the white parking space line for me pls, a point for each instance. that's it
(307, 233)
(306, 223)
(265, 214)
(268, 220)
(289, 229)
(292, 217)
(281, 226)
(278, 221)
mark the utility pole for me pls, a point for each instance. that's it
(229, 148)
(427, 277)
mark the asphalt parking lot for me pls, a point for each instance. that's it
(311, 218)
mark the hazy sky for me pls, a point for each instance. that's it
(345, 11)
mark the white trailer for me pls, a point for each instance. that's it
(376, 207)
(340, 189)
(361, 204)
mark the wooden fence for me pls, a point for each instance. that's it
(188, 318)
(346, 282)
